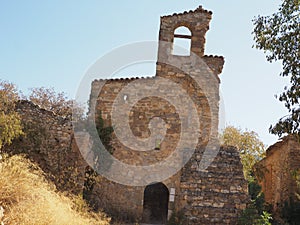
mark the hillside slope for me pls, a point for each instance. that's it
(28, 199)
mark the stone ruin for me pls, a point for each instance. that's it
(215, 194)
(209, 189)
(277, 173)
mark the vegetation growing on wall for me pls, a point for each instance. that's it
(291, 209)
(256, 212)
(105, 135)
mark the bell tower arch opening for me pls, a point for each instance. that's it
(182, 41)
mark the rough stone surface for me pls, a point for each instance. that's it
(212, 195)
(49, 141)
(276, 173)
(215, 195)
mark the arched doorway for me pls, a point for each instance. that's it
(155, 208)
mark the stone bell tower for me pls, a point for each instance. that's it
(197, 22)
(208, 186)
(193, 67)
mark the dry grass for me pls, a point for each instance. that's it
(28, 199)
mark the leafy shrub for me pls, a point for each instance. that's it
(256, 212)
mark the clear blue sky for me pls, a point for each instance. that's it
(52, 43)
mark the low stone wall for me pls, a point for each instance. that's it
(49, 142)
(218, 194)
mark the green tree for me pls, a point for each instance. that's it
(10, 123)
(278, 35)
(251, 149)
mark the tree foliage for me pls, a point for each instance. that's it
(49, 99)
(278, 35)
(251, 149)
(10, 123)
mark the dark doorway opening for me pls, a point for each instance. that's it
(156, 199)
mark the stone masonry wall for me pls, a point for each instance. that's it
(215, 195)
(49, 142)
(127, 201)
(276, 173)
(212, 195)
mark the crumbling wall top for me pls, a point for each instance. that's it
(199, 9)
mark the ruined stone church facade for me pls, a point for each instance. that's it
(215, 194)
(209, 188)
